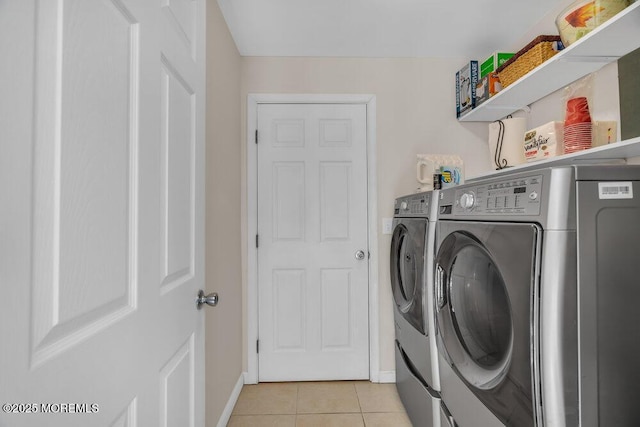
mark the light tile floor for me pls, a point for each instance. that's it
(319, 404)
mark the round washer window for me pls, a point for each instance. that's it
(477, 324)
(407, 270)
(482, 315)
(403, 268)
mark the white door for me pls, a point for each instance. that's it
(312, 221)
(101, 213)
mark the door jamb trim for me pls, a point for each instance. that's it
(251, 317)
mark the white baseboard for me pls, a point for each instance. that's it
(387, 377)
(228, 409)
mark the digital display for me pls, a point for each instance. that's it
(519, 190)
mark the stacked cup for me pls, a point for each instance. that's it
(577, 125)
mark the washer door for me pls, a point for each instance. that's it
(474, 310)
(407, 269)
(486, 281)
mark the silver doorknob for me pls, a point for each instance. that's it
(360, 255)
(211, 299)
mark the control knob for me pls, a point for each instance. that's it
(404, 206)
(467, 200)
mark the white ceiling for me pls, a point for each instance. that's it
(380, 28)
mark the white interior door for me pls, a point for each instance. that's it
(312, 220)
(101, 224)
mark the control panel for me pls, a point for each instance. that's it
(511, 196)
(412, 205)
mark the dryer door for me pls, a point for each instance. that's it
(407, 269)
(485, 289)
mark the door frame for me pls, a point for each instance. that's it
(251, 318)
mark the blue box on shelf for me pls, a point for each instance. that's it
(466, 82)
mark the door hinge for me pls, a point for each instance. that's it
(257, 241)
(257, 346)
(256, 136)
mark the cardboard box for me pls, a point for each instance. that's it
(482, 90)
(466, 82)
(488, 86)
(493, 62)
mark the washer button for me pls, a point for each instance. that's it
(533, 195)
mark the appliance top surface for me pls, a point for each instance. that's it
(416, 205)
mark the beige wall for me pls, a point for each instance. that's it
(222, 257)
(415, 114)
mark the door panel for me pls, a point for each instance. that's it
(289, 306)
(334, 200)
(99, 324)
(84, 188)
(288, 201)
(177, 386)
(312, 202)
(178, 177)
(335, 291)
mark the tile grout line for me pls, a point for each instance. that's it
(359, 404)
(295, 419)
(358, 398)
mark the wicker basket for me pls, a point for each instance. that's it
(535, 53)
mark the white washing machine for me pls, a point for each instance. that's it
(536, 291)
(411, 269)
